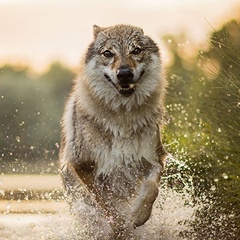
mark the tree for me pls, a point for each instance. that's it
(203, 104)
(31, 109)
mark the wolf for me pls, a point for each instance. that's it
(111, 153)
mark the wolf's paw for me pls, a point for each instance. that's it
(142, 209)
(140, 214)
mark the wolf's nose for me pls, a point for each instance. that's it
(124, 75)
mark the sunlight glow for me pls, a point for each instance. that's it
(164, 3)
(39, 31)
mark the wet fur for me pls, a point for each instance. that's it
(111, 152)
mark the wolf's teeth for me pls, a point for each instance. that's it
(131, 86)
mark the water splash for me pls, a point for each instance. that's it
(172, 216)
(177, 214)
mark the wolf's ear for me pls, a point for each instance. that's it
(96, 30)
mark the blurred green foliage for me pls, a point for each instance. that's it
(203, 106)
(203, 103)
(31, 109)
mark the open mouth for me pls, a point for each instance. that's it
(127, 89)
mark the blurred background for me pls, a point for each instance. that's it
(41, 43)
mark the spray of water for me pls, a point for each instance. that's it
(172, 216)
(177, 214)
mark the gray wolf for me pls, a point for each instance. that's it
(111, 153)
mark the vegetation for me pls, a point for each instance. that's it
(203, 107)
(31, 109)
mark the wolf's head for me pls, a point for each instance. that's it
(122, 63)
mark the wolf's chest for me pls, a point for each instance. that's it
(124, 153)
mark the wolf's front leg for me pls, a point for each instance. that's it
(142, 208)
(78, 181)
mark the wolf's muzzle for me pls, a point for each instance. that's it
(126, 84)
(124, 75)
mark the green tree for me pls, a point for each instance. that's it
(203, 105)
(222, 109)
(31, 109)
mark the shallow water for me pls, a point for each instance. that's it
(173, 216)
(168, 220)
(35, 226)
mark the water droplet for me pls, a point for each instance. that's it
(225, 176)
(213, 188)
(18, 139)
(2, 193)
(22, 123)
(8, 206)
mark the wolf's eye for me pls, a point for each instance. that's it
(108, 54)
(136, 50)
